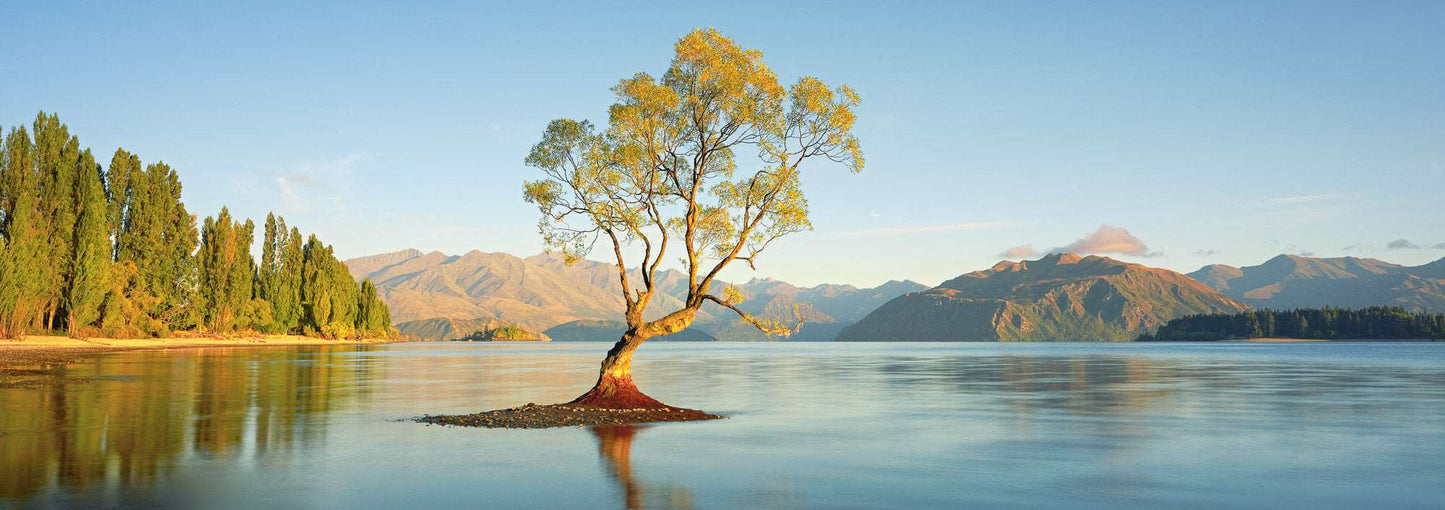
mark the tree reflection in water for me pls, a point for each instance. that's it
(135, 418)
(614, 444)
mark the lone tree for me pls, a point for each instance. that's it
(664, 177)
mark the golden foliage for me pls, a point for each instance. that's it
(665, 171)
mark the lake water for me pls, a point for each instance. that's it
(818, 425)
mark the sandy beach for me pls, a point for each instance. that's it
(21, 359)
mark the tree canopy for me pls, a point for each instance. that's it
(703, 164)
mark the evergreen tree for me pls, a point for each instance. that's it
(1313, 323)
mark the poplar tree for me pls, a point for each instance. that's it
(227, 273)
(124, 167)
(159, 236)
(293, 259)
(280, 274)
(57, 156)
(22, 236)
(373, 319)
(328, 293)
(90, 258)
(117, 251)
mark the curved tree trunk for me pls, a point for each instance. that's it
(614, 388)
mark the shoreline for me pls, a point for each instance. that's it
(40, 350)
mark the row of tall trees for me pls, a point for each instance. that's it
(87, 250)
(1312, 323)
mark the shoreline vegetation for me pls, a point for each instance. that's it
(91, 251)
(504, 334)
(1378, 323)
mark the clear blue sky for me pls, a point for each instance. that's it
(1210, 131)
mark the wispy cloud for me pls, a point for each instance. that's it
(290, 197)
(1019, 252)
(926, 229)
(1402, 244)
(1206, 253)
(1108, 239)
(1307, 199)
(1440, 246)
(301, 190)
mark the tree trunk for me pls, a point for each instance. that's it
(614, 388)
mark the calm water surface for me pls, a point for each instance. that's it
(811, 426)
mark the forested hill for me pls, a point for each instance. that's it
(1377, 323)
(88, 250)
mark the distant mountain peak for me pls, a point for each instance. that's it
(1060, 258)
(1006, 265)
(1284, 259)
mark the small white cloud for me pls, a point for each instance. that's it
(1352, 247)
(1440, 246)
(1205, 253)
(1019, 252)
(1402, 244)
(1108, 239)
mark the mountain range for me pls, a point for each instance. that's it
(1057, 297)
(435, 296)
(1063, 296)
(1291, 281)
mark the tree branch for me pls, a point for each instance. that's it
(770, 329)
